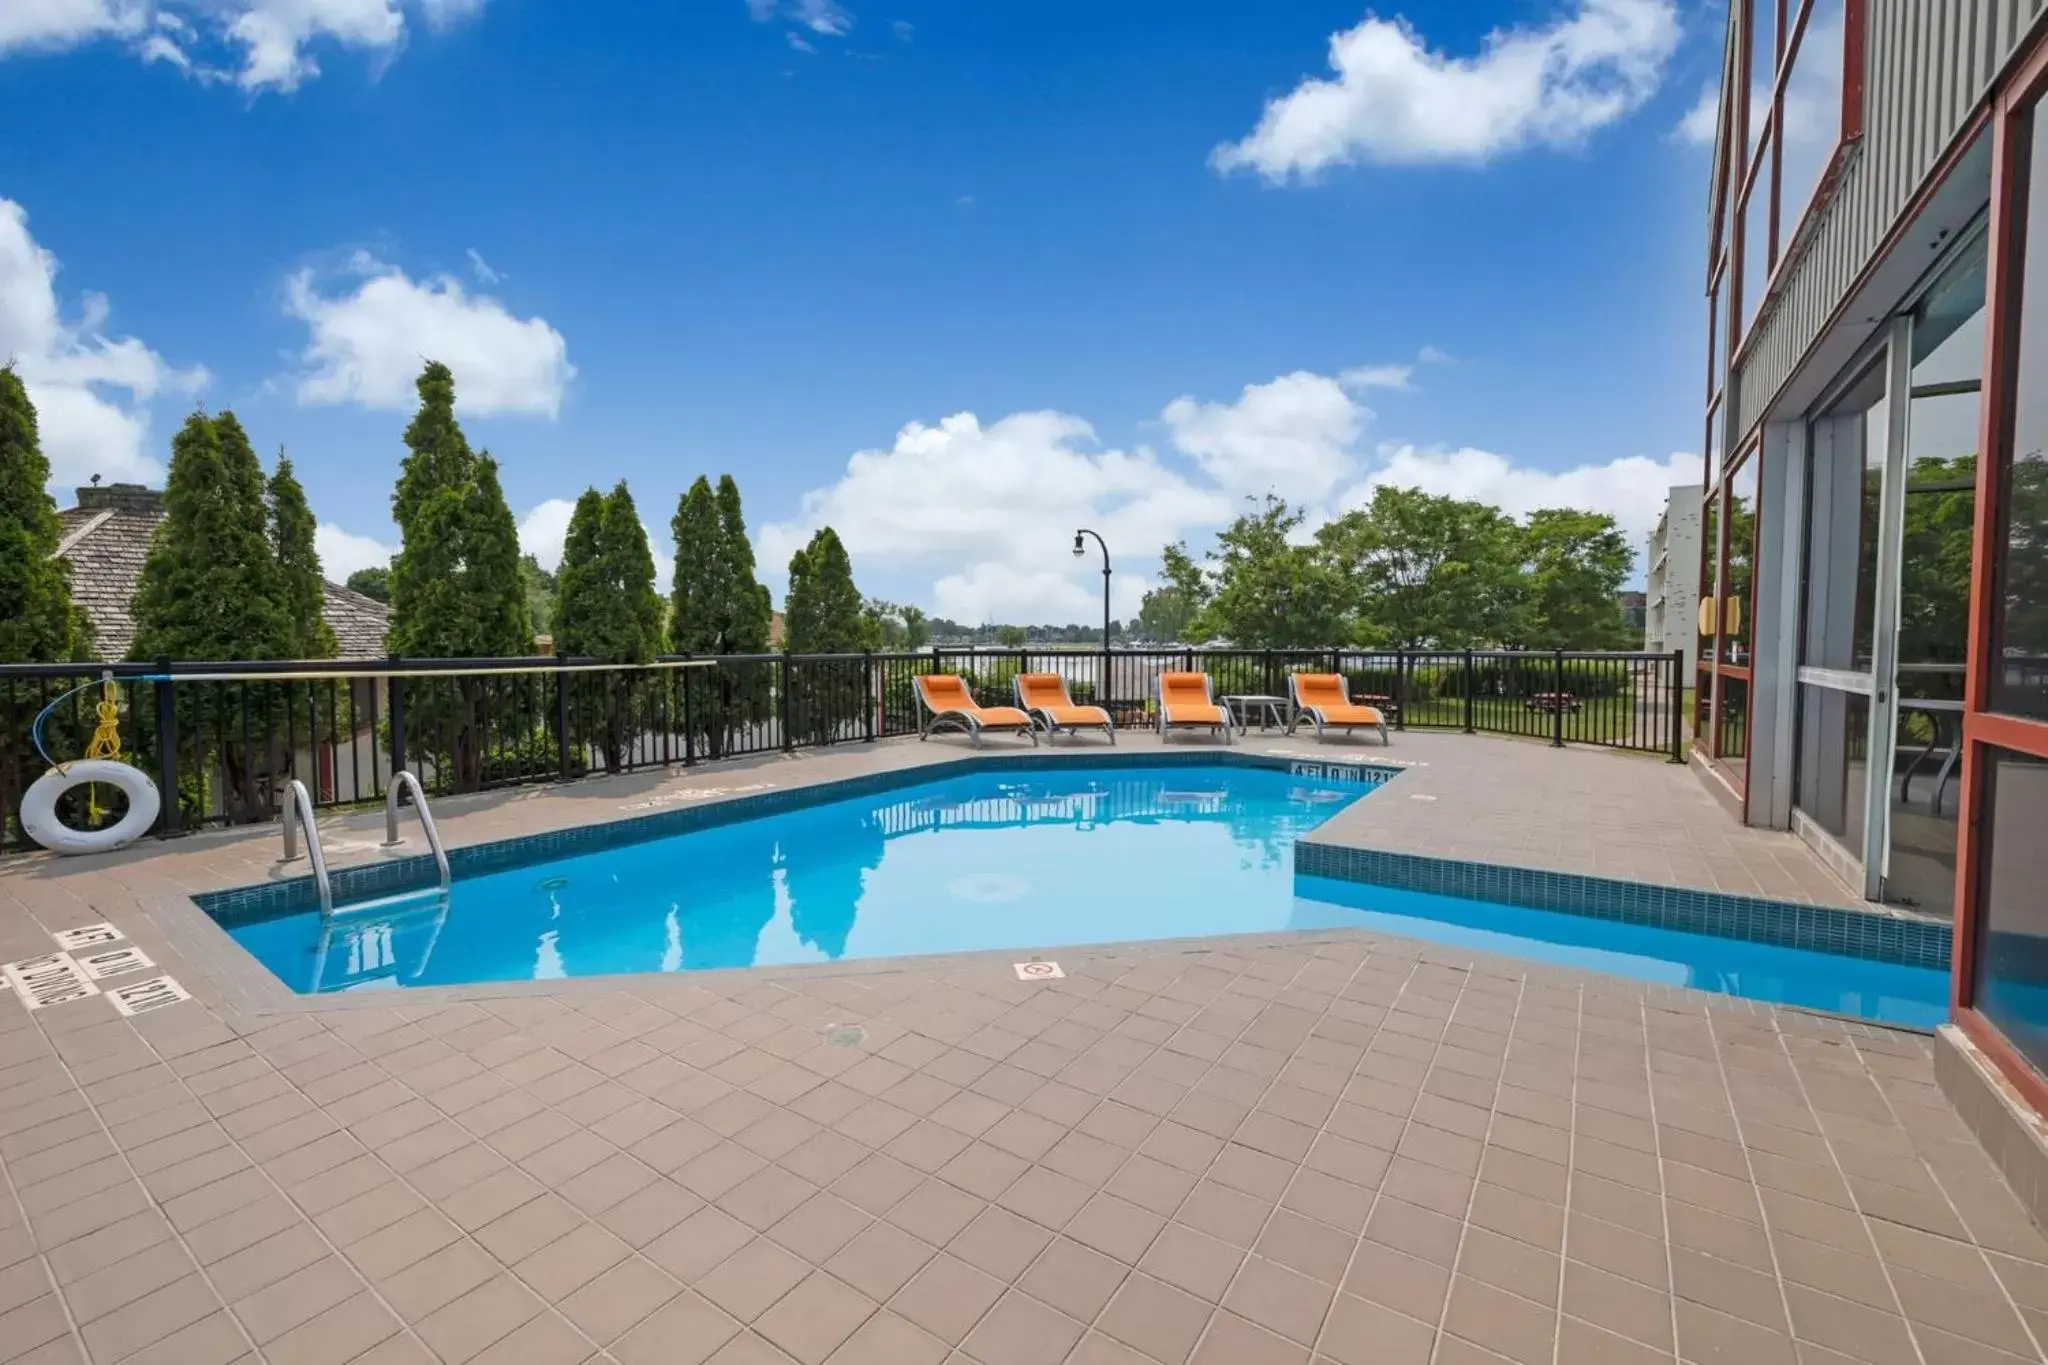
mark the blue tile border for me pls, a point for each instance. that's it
(368, 881)
(1820, 928)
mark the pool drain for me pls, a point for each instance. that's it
(845, 1035)
(551, 884)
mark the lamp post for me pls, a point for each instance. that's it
(1081, 549)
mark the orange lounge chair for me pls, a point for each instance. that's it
(948, 704)
(1188, 701)
(1325, 699)
(1044, 697)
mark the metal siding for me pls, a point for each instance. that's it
(1928, 63)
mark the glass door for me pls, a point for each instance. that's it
(1937, 536)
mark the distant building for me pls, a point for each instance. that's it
(106, 540)
(1633, 606)
(1672, 599)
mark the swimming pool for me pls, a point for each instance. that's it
(1026, 859)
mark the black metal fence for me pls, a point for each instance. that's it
(223, 741)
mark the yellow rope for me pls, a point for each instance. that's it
(106, 743)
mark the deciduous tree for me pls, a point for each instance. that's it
(1576, 563)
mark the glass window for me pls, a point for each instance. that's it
(1741, 572)
(1812, 114)
(2012, 942)
(1832, 767)
(1756, 266)
(1845, 483)
(1734, 726)
(2019, 681)
(1763, 62)
(1710, 579)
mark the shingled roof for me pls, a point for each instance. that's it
(106, 539)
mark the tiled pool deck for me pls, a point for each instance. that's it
(1336, 1147)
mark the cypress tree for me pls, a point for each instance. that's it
(718, 608)
(210, 588)
(606, 608)
(578, 594)
(750, 607)
(693, 622)
(823, 610)
(455, 586)
(301, 586)
(38, 623)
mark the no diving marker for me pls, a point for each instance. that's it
(144, 996)
(86, 936)
(52, 979)
(1039, 971)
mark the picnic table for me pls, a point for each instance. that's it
(1553, 701)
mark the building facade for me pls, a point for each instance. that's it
(1873, 644)
(1672, 583)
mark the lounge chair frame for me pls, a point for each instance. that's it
(933, 719)
(1225, 727)
(1048, 722)
(1322, 722)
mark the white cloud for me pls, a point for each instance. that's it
(90, 390)
(993, 509)
(257, 44)
(1632, 490)
(543, 531)
(1378, 377)
(367, 346)
(1292, 436)
(1430, 355)
(65, 23)
(481, 268)
(1394, 101)
(904, 30)
(826, 17)
(990, 510)
(343, 552)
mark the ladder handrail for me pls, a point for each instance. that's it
(299, 806)
(401, 779)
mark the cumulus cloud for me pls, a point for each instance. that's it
(366, 344)
(1393, 100)
(989, 509)
(826, 17)
(258, 45)
(543, 531)
(1292, 436)
(1631, 490)
(90, 390)
(343, 552)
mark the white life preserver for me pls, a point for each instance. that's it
(39, 807)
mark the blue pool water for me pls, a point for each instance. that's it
(1026, 860)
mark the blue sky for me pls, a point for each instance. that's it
(951, 277)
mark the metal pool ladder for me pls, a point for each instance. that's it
(297, 807)
(401, 780)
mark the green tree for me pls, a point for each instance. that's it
(373, 583)
(606, 609)
(455, 587)
(539, 587)
(1271, 592)
(210, 587)
(901, 627)
(300, 583)
(1012, 637)
(1428, 572)
(1577, 562)
(38, 623)
(823, 614)
(456, 591)
(1170, 611)
(718, 608)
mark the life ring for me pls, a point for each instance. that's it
(39, 807)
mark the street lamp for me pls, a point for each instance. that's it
(1080, 549)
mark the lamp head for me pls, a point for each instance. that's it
(1079, 549)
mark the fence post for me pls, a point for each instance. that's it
(1677, 694)
(1400, 689)
(167, 749)
(562, 722)
(782, 704)
(867, 684)
(689, 726)
(397, 722)
(1469, 684)
(1557, 700)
